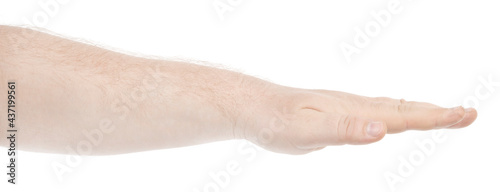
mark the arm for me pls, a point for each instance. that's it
(69, 92)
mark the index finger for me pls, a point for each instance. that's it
(408, 115)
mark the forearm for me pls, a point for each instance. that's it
(67, 89)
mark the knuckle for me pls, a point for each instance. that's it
(403, 106)
(345, 127)
(301, 100)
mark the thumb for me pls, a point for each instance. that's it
(356, 130)
(337, 129)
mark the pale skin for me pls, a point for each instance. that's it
(66, 89)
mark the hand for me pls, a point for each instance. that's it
(297, 121)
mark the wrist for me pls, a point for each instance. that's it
(255, 104)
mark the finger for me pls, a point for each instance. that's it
(403, 115)
(335, 129)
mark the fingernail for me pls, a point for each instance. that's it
(374, 128)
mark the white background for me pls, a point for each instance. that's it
(433, 51)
